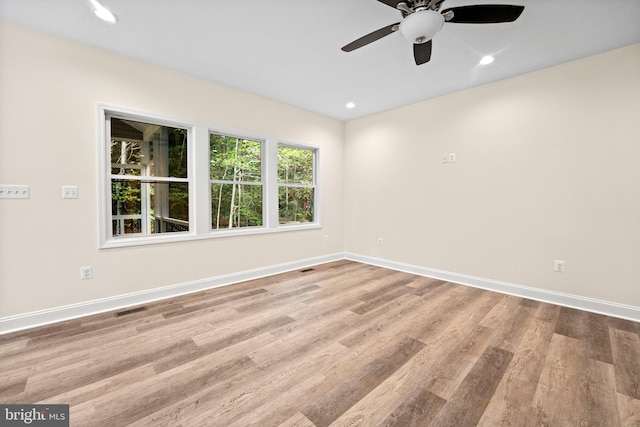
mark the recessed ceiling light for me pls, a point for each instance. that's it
(103, 13)
(351, 105)
(486, 60)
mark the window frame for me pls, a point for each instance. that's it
(199, 181)
(261, 183)
(143, 181)
(313, 185)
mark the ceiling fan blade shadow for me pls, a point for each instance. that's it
(371, 37)
(422, 52)
(484, 13)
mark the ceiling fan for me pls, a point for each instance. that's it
(422, 19)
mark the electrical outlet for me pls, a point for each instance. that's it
(452, 157)
(69, 192)
(86, 272)
(14, 192)
(558, 266)
(445, 158)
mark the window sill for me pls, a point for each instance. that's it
(132, 241)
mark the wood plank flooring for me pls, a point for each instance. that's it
(341, 344)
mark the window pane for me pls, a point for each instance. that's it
(295, 205)
(126, 226)
(149, 207)
(177, 147)
(295, 165)
(236, 205)
(234, 159)
(178, 201)
(128, 155)
(126, 207)
(148, 149)
(125, 197)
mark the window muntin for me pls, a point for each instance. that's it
(149, 178)
(296, 185)
(236, 182)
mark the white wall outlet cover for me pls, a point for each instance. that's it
(558, 266)
(86, 272)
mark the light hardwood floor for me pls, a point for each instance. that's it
(341, 344)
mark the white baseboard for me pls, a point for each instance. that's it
(45, 317)
(581, 303)
(58, 314)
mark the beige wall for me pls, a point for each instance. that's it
(49, 91)
(548, 168)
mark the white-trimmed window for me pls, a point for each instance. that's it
(149, 178)
(166, 180)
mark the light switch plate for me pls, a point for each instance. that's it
(69, 192)
(14, 192)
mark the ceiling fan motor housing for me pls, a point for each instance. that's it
(421, 26)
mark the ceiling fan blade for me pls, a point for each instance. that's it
(485, 13)
(422, 52)
(371, 37)
(392, 3)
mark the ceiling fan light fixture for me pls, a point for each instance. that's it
(421, 26)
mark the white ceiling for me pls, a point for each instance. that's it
(290, 50)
